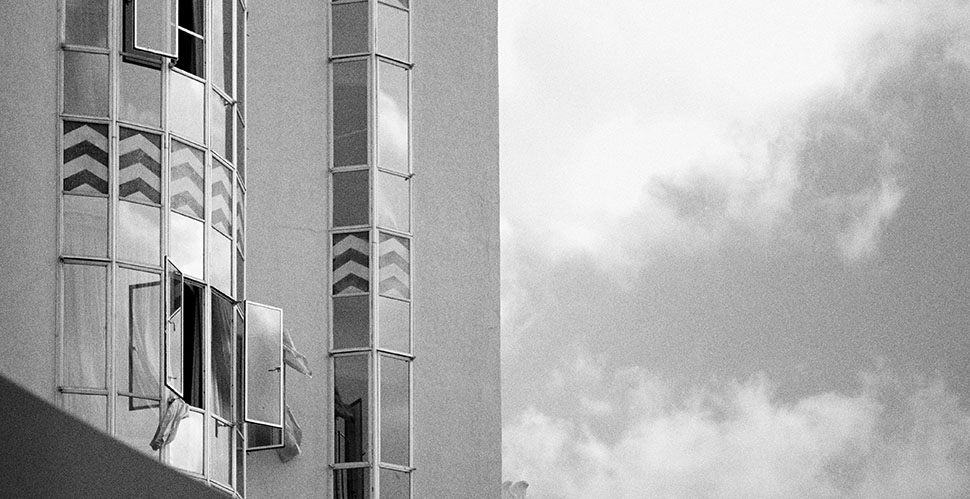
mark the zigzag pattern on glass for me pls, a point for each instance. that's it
(351, 263)
(395, 267)
(221, 199)
(239, 217)
(85, 158)
(188, 180)
(140, 167)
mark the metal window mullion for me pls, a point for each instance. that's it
(113, 161)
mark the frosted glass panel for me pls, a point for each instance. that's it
(86, 23)
(84, 326)
(186, 107)
(395, 321)
(392, 32)
(85, 226)
(395, 411)
(350, 198)
(351, 321)
(186, 244)
(92, 409)
(141, 94)
(137, 332)
(350, 28)
(85, 83)
(394, 202)
(350, 113)
(392, 118)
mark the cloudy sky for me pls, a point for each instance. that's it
(736, 248)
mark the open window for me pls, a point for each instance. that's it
(155, 25)
(264, 376)
(183, 338)
(174, 346)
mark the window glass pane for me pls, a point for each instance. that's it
(192, 15)
(85, 83)
(262, 436)
(137, 326)
(86, 23)
(85, 226)
(394, 202)
(264, 347)
(240, 466)
(222, 198)
(240, 55)
(395, 266)
(187, 180)
(351, 484)
(351, 261)
(350, 198)
(240, 277)
(399, 3)
(186, 107)
(220, 262)
(392, 32)
(351, 321)
(395, 484)
(350, 408)
(84, 326)
(193, 323)
(155, 26)
(240, 147)
(135, 422)
(139, 167)
(240, 220)
(350, 28)
(139, 233)
(395, 411)
(221, 126)
(92, 409)
(222, 361)
(395, 321)
(186, 449)
(174, 339)
(141, 94)
(220, 452)
(186, 244)
(350, 113)
(392, 118)
(222, 50)
(85, 158)
(191, 55)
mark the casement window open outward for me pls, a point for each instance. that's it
(156, 26)
(264, 375)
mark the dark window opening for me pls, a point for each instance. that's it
(194, 317)
(191, 37)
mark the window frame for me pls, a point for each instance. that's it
(173, 43)
(281, 369)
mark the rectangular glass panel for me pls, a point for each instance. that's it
(240, 276)
(264, 364)
(186, 450)
(135, 422)
(85, 324)
(222, 50)
(186, 245)
(351, 321)
(191, 54)
(350, 198)
(85, 83)
(395, 411)
(220, 125)
(240, 55)
(392, 117)
(187, 174)
(174, 332)
(139, 166)
(186, 107)
(240, 220)
(395, 266)
(85, 158)
(86, 23)
(137, 327)
(221, 198)
(350, 28)
(394, 202)
(139, 233)
(240, 465)
(85, 226)
(395, 484)
(221, 356)
(392, 32)
(351, 484)
(92, 409)
(395, 322)
(264, 437)
(350, 382)
(155, 26)
(240, 146)
(220, 452)
(351, 263)
(220, 262)
(141, 94)
(350, 113)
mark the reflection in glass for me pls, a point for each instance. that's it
(350, 408)
(139, 166)
(240, 465)
(86, 23)
(392, 118)
(141, 94)
(395, 266)
(85, 83)
(221, 126)
(186, 449)
(139, 233)
(221, 356)
(92, 409)
(186, 107)
(264, 362)
(85, 226)
(349, 28)
(240, 147)
(395, 411)
(156, 25)
(135, 418)
(220, 262)
(350, 113)
(220, 452)
(240, 276)
(137, 319)
(351, 321)
(186, 244)
(240, 218)
(395, 484)
(351, 484)
(392, 32)
(350, 198)
(84, 326)
(351, 263)
(394, 202)
(221, 178)
(187, 175)
(395, 321)
(222, 53)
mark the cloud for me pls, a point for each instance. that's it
(891, 439)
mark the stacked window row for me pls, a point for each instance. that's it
(371, 231)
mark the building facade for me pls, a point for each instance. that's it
(191, 188)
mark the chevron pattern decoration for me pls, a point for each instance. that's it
(85, 158)
(140, 167)
(239, 217)
(187, 173)
(221, 199)
(395, 267)
(351, 263)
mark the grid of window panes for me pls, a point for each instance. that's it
(371, 244)
(152, 171)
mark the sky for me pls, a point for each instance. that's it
(736, 248)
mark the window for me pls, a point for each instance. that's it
(155, 26)
(191, 37)
(264, 374)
